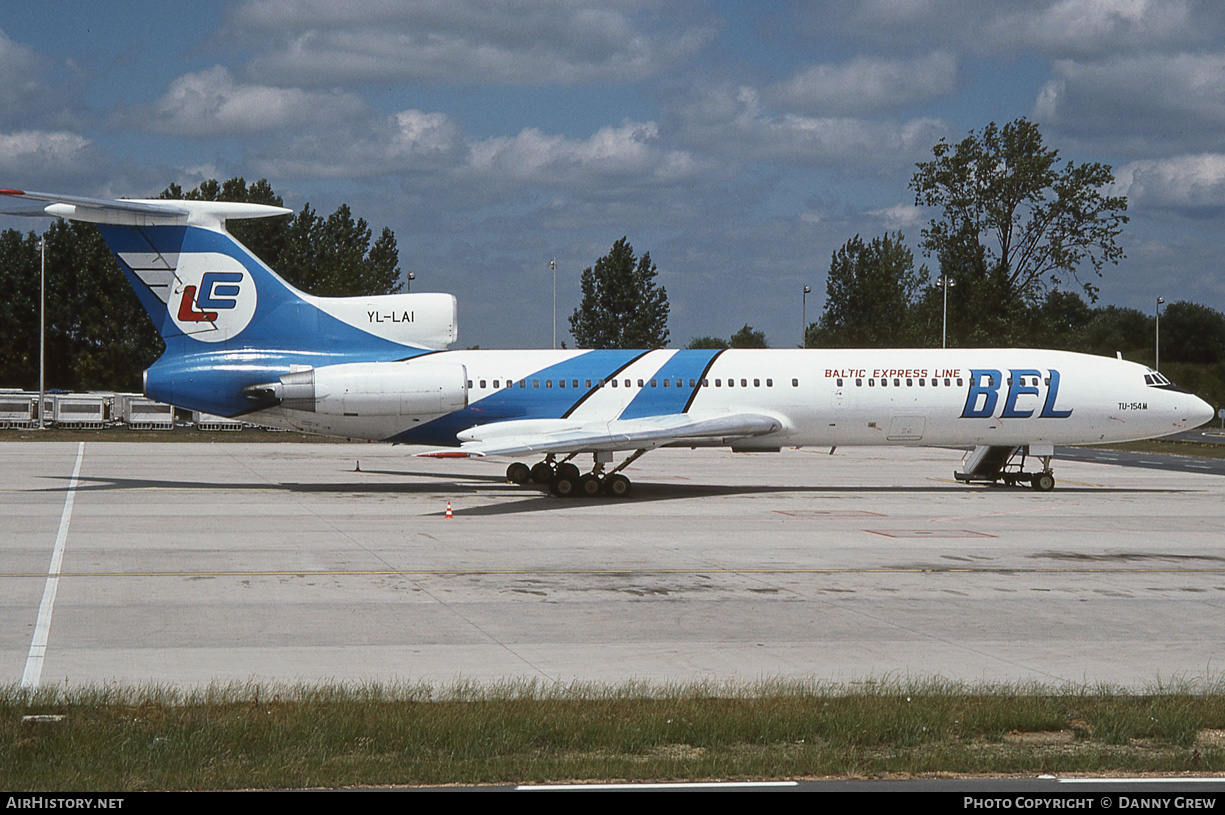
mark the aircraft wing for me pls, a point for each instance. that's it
(564, 436)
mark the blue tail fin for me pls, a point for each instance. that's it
(229, 321)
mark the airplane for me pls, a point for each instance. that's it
(241, 342)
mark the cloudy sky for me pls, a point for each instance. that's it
(740, 143)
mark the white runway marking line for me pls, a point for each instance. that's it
(38, 647)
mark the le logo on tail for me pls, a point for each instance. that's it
(215, 299)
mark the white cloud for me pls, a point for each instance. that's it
(26, 153)
(210, 103)
(409, 141)
(867, 83)
(630, 150)
(486, 41)
(1191, 182)
(1093, 26)
(733, 122)
(899, 216)
(1144, 103)
(995, 28)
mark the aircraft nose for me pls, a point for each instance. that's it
(1199, 413)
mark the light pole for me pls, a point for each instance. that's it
(408, 282)
(553, 266)
(804, 318)
(945, 282)
(1157, 343)
(42, 330)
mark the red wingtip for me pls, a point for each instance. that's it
(11, 192)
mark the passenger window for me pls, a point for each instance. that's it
(469, 384)
(731, 383)
(548, 383)
(535, 383)
(839, 382)
(921, 383)
(588, 383)
(652, 383)
(756, 383)
(614, 383)
(640, 383)
(959, 382)
(692, 383)
(681, 384)
(496, 383)
(909, 383)
(628, 384)
(795, 383)
(523, 383)
(871, 383)
(769, 383)
(482, 384)
(561, 383)
(859, 383)
(744, 383)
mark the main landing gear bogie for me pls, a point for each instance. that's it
(565, 480)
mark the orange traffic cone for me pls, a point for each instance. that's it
(449, 515)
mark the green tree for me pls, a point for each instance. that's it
(98, 336)
(621, 307)
(870, 295)
(1062, 320)
(1191, 332)
(19, 268)
(748, 338)
(1036, 219)
(707, 344)
(1113, 329)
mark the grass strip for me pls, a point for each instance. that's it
(253, 736)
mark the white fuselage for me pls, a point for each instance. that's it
(820, 397)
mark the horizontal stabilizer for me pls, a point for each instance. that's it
(140, 212)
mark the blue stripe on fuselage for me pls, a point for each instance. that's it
(675, 383)
(528, 401)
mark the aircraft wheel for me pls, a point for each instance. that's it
(542, 473)
(563, 486)
(1043, 482)
(617, 486)
(569, 471)
(518, 473)
(589, 486)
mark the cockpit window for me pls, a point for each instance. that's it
(1156, 380)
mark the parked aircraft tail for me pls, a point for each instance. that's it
(227, 318)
